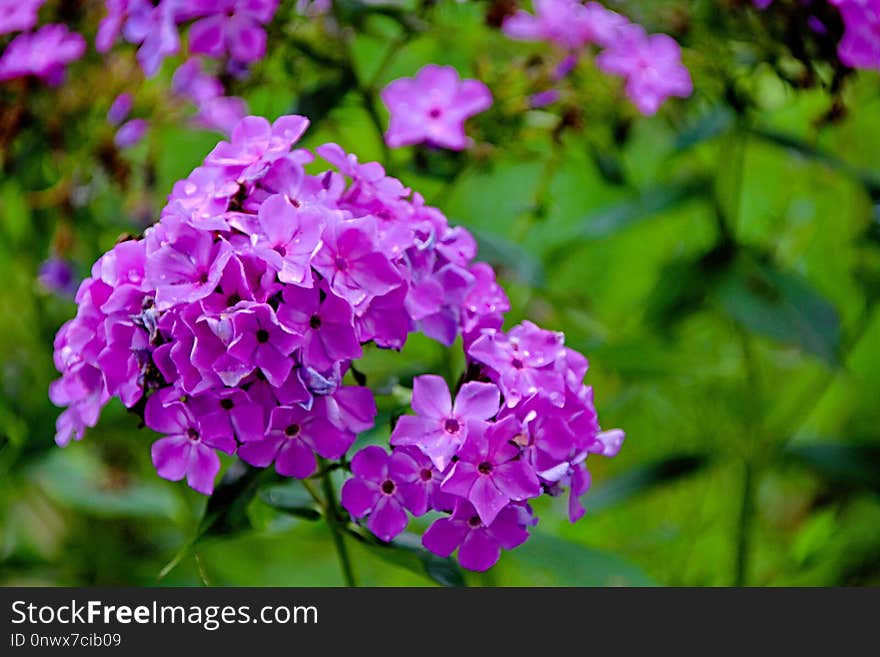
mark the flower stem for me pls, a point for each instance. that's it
(331, 513)
(744, 526)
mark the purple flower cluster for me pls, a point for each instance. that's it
(44, 53)
(231, 324)
(522, 428)
(649, 63)
(228, 31)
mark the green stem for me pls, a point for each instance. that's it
(337, 529)
(744, 526)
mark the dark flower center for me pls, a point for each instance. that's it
(388, 487)
(226, 404)
(517, 364)
(435, 112)
(262, 336)
(341, 263)
(233, 299)
(280, 250)
(192, 434)
(426, 475)
(292, 431)
(474, 521)
(315, 322)
(451, 425)
(203, 277)
(485, 467)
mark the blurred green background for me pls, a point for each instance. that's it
(718, 263)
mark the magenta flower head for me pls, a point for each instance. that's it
(19, 15)
(567, 23)
(234, 325)
(43, 54)
(650, 64)
(479, 544)
(860, 46)
(441, 427)
(432, 107)
(234, 27)
(130, 133)
(383, 487)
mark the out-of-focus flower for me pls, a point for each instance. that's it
(18, 15)
(44, 54)
(234, 27)
(860, 46)
(120, 108)
(432, 107)
(651, 65)
(568, 23)
(56, 275)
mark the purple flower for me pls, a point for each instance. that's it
(523, 361)
(256, 144)
(130, 133)
(651, 65)
(432, 107)
(229, 413)
(381, 488)
(233, 26)
(567, 23)
(352, 263)
(43, 53)
(325, 322)
(19, 15)
(188, 268)
(425, 493)
(479, 545)
(222, 113)
(440, 428)
(154, 27)
(490, 472)
(120, 108)
(860, 46)
(260, 341)
(56, 275)
(292, 438)
(184, 452)
(287, 238)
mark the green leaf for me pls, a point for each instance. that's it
(712, 124)
(407, 552)
(226, 510)
(869, 179)
(779, 305)
(77, 479)
(545, 560)
(644, 478)
(291, 497)
(610, 219)
(502, 253)
(852, 465)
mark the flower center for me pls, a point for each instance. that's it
(426, 475)
(388, 487)
(451, 425)
(192, 434)
(517, 364)
(315, 322)
(262, 336)
(292, 431)
(341, 263)
(233, 299)
(435, 112)
(485, 467)
(280, 250)
(203, 277)
(474, 522)
(226, 404)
